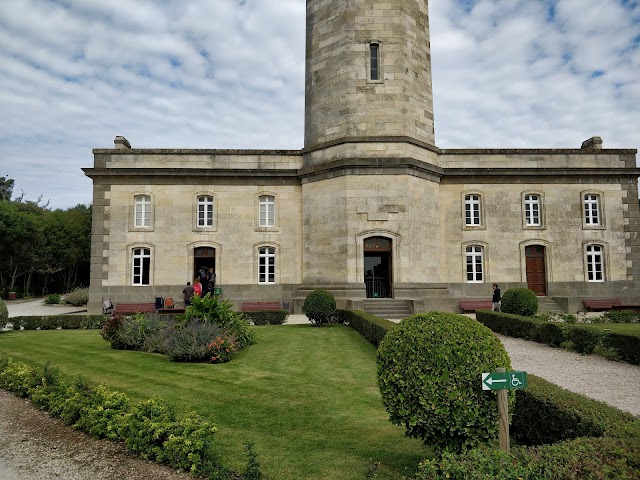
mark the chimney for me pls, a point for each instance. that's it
(594, 143)
(122, 143)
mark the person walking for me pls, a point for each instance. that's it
(187, 293)
(496, 298)
(197, 287)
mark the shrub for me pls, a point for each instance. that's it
(520, 301)
(52, 299)
(369, 326)
(4, 314)
(78, 297)
(133, 332)
(429, 373)
(268, 317)
(621, 316)
(110, 332)
(320, 307)
(191, 343)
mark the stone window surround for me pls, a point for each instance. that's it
(482, 225)
(395, 248)
(130, 257)
(604, 260)
(132, 212)
(188, 268)
(214, 218)
(276, 263)
(377, 43)
(276, 223)
(484, 252)
(601, 225)
(548, 255)
(541, 211)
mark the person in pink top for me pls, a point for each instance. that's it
(197, 287)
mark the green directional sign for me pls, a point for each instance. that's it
(217, 291)
(504, 380)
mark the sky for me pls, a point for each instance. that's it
(230, 74)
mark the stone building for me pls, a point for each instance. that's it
(370, 209)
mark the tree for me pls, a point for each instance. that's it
(6, 188)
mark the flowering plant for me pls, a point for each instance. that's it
(222, 348)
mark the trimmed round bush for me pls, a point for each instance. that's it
(320, 307)
(430, 372)
(4, 314)
(520, 301)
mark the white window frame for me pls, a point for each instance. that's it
(142, 211)
(476, 209)
(377, 46)
(138, 256)
(267, 211)
(532, 210)
(477, 252)
(205, 211)
(266, 268)
(594, 257)
(592, 209)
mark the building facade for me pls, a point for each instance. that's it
(370, 208)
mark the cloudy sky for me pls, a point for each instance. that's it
(230, 74)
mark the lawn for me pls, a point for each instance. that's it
(622, 328)
(307, 397)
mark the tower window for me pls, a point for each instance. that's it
(374, 61)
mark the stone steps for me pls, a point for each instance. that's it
(388, 308)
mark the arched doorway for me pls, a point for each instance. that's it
(203, 259)
(378, 267)
(536, 270)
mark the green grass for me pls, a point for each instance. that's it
(306, 396)
(623, 328)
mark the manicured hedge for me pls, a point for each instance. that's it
(65, 322)
(573, 336)
(590, 440)
(369, 326)
(268, 317)
(150, 428)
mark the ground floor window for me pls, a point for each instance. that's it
(141, 266)
(595, 263)
(266, 265)
(475, 267)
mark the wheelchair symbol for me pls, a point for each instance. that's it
(515, 381)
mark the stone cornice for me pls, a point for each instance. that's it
(192, 151)
(190, 172)
(542, 172)
(390, 139)
(536, 151)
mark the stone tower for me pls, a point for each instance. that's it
(368, 73)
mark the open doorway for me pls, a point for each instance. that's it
(377, 267)
(203, 259)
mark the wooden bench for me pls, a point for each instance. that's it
(601, 304)
(628, 306)
(260, 306)
(470, 306)
(132, 308)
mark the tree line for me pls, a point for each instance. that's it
(42, 250)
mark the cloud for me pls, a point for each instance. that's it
(230, 74)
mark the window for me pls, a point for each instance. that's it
(474, 264)
(532, 210)
(141, 266)
(472, 217)
(595, 263)
(267, 214)
(374, 61)
(205, 211)
(591, 209)
(142, 211)
(266, 265)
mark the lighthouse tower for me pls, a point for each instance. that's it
(370, 176)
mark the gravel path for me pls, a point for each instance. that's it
(615, 383)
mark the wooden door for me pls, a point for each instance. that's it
(536, 273)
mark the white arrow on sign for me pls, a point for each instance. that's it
(488, 380)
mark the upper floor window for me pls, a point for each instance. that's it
(472, 210)
(141, 271)
(374, 61)
(205, 211)
(592, 209)
(475, 264)
(267, 211)
(532, 207)
(595, 263)
(266, 265)
(142, 211)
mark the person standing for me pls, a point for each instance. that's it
(187, 293)
(197, 287)
(496, 298)
(211, 280)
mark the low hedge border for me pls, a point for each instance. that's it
(267, 317)
(561, 435)
(150, 428)
(614, 346)
(369, 326)
(53, 322)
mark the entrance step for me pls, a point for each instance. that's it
(548, 305)
(388, 308)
